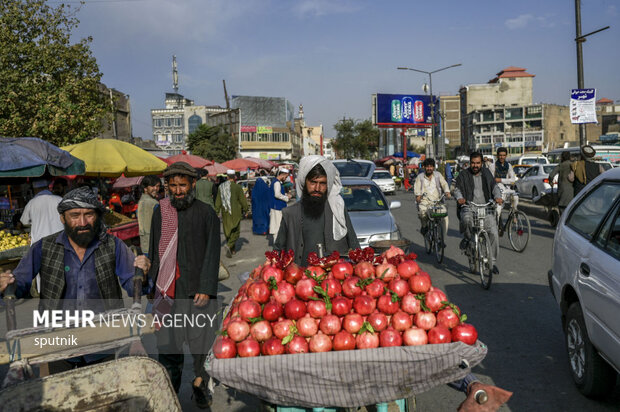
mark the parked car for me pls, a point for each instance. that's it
(369, 211)
(585, 281)
(355, 168)
(384, 180)
(606, 165)
(528, 160)
(535, 181)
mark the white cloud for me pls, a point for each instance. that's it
(324, 7)
(519, 22)
(524, 20)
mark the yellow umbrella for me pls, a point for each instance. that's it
(111, 158)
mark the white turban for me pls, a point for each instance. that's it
(336, 202)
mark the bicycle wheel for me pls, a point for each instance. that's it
(438, 243)
(428, 238)
(519, 230)
(485, 267)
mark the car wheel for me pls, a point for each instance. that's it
(534, 192)
(592, 374)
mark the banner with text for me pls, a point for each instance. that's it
(583, 106)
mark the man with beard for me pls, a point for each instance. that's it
(477, 184)
(81, 267)
(232, 204)
(428, 189)
(320, 217)
(185, 248)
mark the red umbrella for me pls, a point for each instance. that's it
(193, 160)
(241, 164)
(123, 182)
(264, 164)
(216, 169)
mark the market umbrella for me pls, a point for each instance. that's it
(193, 160)
(123, 182)
(241, 164)
(31, 157)
(111, 158)
(264, 164)
(216, 169)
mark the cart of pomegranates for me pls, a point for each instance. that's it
(342, 332)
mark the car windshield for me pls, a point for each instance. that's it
(381, 175)
(358, 198)
(548, 169)
(532, 161)
(352, 169)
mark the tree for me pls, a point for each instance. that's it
(213, 143)
(49, 85)
(356, 139)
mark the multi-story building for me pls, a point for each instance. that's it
(179, 118)
(608, 115)
(311, 136)
(450, 112)
(267, 128)
(118, 124)
(328, 150)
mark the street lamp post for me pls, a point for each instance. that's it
(438, 144)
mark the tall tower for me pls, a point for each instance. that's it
(175, 75)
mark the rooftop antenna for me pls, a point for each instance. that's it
(175, 75)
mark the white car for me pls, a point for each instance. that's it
(535, 181)
(384, 180)
(585, 282)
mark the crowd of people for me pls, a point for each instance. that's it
(180, 238)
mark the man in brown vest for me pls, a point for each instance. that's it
(81, 267)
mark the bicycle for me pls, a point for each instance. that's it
(517, 225)
(479, 251)
(433, 238)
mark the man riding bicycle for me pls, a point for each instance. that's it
(477, 185)
(504, 177)
(432, 185)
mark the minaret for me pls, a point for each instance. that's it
(175, 75)
(302, 122)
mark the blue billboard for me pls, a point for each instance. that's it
(405, 109)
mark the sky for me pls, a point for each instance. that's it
(332, 55)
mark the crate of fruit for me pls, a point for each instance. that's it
(342, 333)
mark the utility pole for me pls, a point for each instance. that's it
(579, 39)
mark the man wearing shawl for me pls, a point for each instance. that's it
(261, 200)
(320, 216)
(81, 267)
(232, 204)
(185, 248)
(279, 200)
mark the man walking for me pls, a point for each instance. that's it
(41, 212)
(205, 188)
(428, 189)
(185, 248)
(320, 217)
(279, 201)
(476, 184)
(231, 203)
(150, 193)
(585, 170)
(565, 186)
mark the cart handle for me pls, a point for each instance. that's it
(9, 300)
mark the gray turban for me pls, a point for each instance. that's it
(80, 198)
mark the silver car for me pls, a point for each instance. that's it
(535, 181)
(384, 180)
(585, 281)
(369, 211)
(354, 167)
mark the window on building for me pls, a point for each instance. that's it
(561, 136)
(177, 138)
(193, 122)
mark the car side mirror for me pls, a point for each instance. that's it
(395, 205)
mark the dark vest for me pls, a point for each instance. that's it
(277, 204)
(465, 182)
(293, 218)
(53, 273)
(501, 171)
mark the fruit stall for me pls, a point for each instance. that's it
(342, 333)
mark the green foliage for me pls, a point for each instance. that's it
(213, 143)
(356, 139)
(49, 86)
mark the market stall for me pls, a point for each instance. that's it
(301, 338)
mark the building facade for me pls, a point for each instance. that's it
(450, 113)
(118, 124)
(266, 127)
(179, 118)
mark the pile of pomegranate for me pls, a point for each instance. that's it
(334, 304)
